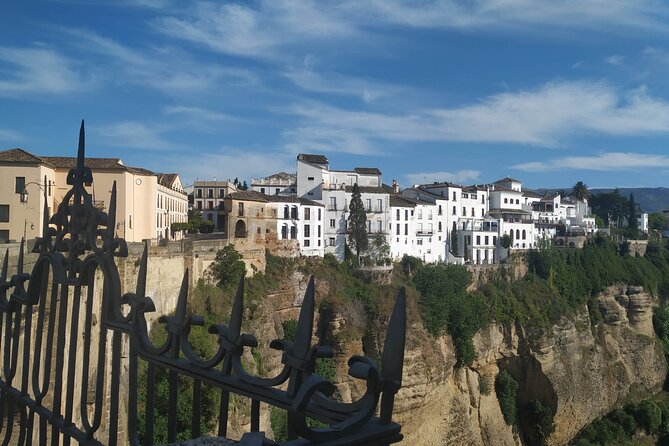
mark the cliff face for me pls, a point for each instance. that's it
(579, 372)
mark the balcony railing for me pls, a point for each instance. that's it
(85, 343)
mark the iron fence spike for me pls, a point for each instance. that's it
(237, 313)
(140, 291)
(305, 322)
(392, 359)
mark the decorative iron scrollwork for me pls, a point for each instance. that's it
(51, 328)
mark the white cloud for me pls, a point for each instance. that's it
(229, 163)
(461, 176)
(265, 27)
(164, 69)
(615, 59)
(37, 71)
(134, 135)
(545, 116)
(607, 161)
(335, 83)
(9, 136)
(245, 31)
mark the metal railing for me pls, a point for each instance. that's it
(64, 340)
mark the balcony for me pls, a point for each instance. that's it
(424, 232)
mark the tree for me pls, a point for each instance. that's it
(580, 191)
(454, 242)
(228, 267)
(540, 419)
(632, 221)
(244, 186)
(506, 389)
(380, 250)
(657, 221)
(506, 241)
(357, 224)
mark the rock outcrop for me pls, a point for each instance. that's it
(579, 371)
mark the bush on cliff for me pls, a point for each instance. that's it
(506, 389)
(446, 306)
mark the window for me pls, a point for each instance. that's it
(368, 204)
(20, 184)
(211, 205)
(331, 241)
(240, 209)
(199, 205)
(419, 241)
(221, 192)
(4, 235)
(333, 203)
(429, 214)
(478, 239)
(332, 223)
(473, 213)
(420, 227)
(397, 214)
(319, 214)
(210, 193)
(482, 212)
(319, 231)
(454, 197)
(464, 212)
(307, 231)
(494, 240)
(397, 229)
(4, 213)
(307, 213)
(517, 234)
(293, 212)
(310, 178)
(284, 232)
(406, 229)
(369, 226)
(517, 201)
(277, 190)
(49, 188)
(420, 214)
(439, 226)
(406, 214)
(524, 235)
(199, 193)
(430, 228)
(465, 195)
(262, 190)
(379, 205)
(440, 212)
(306, 243)
(380, 226)
(482, 199)
(506, 200)
(130, 221)
(454, 211)
(293, 232)
(487, 239)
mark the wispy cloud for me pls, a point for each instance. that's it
(36, 70)
(156, 68)
(607, 161)
(232, 162)
(334, 83)
(242, 30)
(262, 28)
(201, 114)
(9, 136)
(615, 59)
(460, 176)
(134, 135)
(546, 116)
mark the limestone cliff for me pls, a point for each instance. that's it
(580, 372)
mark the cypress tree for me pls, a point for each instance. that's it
(632, 222)
(357, 223)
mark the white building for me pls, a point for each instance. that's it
(208, 198)
(172, 206)
(300, 219)
(281, 183)
(333, 188)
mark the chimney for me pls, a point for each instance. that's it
(396, 187)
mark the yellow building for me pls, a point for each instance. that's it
(24, 179)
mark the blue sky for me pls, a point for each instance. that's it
(549, 91)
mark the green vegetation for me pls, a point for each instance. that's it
(228, 267)
(657, 221)
(447, 307)
(356, 228)
(622, 427)
(540, 420)
(580, 191)
(484, 385)
(506, 389)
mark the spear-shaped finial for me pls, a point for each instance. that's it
(111, 216)
(82, 148)
(392, 359)
(235, 325)
(305, 322)
(140, 290)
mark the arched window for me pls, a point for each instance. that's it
(284, 231)
(286, 212)
(506, 200)
(524, 235)
(240, 229)
(293, 232)
(517, 234)
(517, 201)
(293, 212)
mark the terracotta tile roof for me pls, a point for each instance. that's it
(401, 202)
(249, 195)
(508, 180)
(167, 179)
(367, 171)
(313, 159)
(19, 156)
(66, 162)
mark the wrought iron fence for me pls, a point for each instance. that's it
(65, 328)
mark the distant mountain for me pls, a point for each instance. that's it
(651, 199)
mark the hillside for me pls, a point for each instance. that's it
(651, 199)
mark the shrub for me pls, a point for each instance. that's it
(540, 419)
(289, 329)
(278, 419)
(228, 267)
(506, 389)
